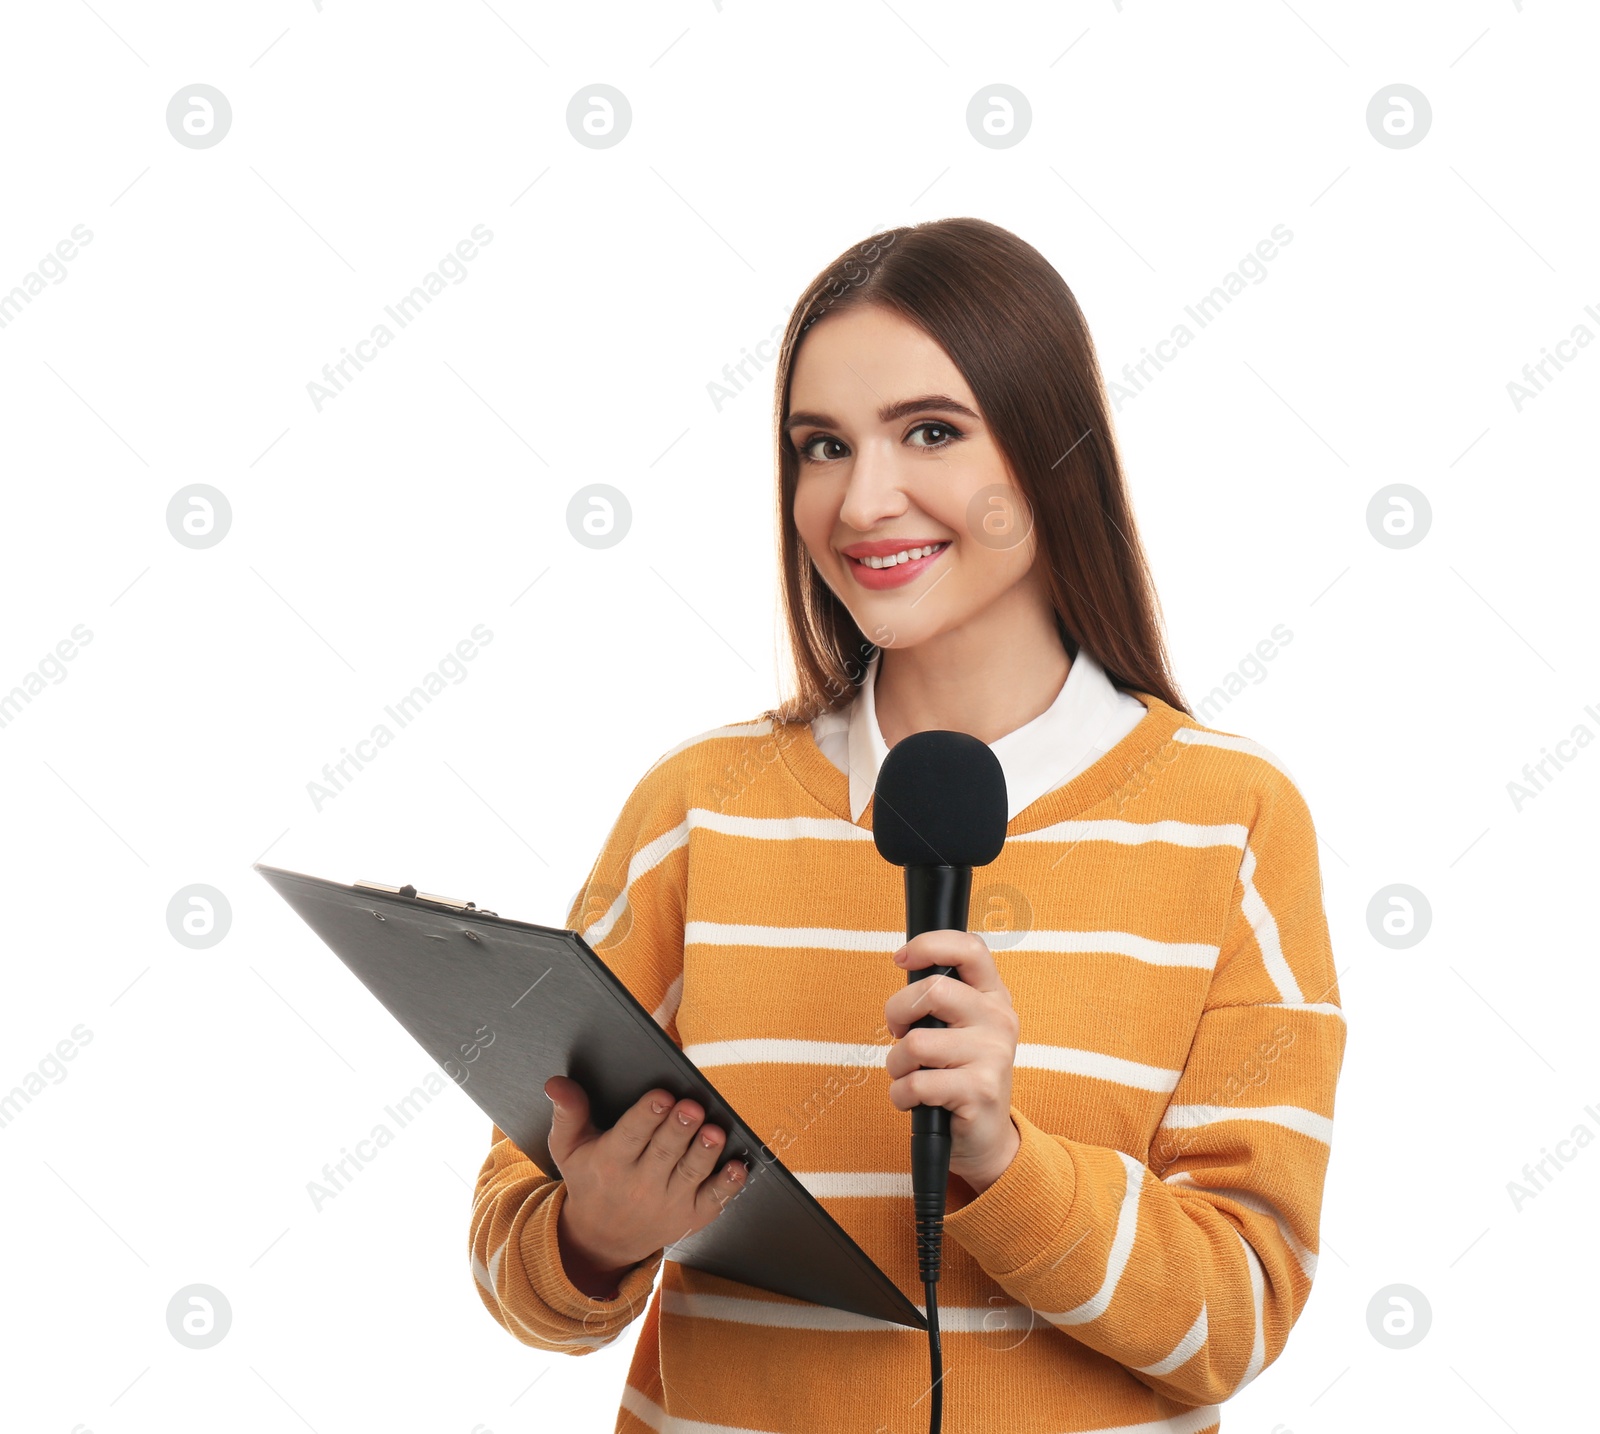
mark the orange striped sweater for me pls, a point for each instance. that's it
(1158, 921)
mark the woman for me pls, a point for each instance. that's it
(1141, 1052)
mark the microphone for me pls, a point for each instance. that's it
(938, 810)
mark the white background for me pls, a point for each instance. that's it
(368, 538)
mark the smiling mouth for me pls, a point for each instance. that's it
(906, 555)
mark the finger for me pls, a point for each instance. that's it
(968, 952)
(672, 1136)
(570, 1125)
(700, 1158)
(952, 1001)
(954, 1089)
(718, 1190)
(632, 1133)
(929, 1048)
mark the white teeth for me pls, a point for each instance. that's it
(907, 555)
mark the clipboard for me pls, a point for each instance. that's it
(502, 1005)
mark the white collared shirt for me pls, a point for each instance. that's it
(1087, 719)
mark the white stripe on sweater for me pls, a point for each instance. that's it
(1182, 1352)
(855, 1184)
(1189, 1421)
(766, 1050)
(1097, 1065)
(1251, 1201)
(760, 1050)
(1266, 932)
(1318, 1008)
(833, 938)
(649, 1412)
(761, 727)
(1290, 1117)
(810, 938)
(1111, 829)
(1178, 833)
(953, 1319)
(1229, 742)
(1258, 1345)
(489, 1278)
(777, 828)
(774, 1315)
(1119, 943)
(669, 1002)
(650, 855)
(1121, 1248)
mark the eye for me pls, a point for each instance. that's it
(936, 428)
(805, 449)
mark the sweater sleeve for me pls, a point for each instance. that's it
(1191, 1269)
(630, 910)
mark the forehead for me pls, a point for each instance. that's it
(855, 361)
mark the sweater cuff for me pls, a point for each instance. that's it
(541, 1255)
(1020, 1215)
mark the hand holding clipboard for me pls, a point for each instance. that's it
(503, 1005)
(635, 1188)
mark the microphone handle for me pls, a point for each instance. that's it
(936, 900)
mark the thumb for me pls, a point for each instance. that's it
(569, 1117)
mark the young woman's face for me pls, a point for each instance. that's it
(894, 455)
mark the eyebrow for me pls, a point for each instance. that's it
(887, 414)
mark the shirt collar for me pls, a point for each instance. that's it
(1036, 758)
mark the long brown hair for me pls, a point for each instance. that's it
(1014, 331)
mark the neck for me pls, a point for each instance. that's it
(988, 677)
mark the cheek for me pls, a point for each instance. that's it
(815, 515)
(991, 571)
(810, 516)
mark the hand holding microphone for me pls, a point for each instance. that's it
(965, 1067)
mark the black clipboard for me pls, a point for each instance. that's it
(502, 1005)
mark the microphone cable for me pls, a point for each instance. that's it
(930, 1174)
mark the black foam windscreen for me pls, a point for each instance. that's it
(940, 800)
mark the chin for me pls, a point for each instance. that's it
(896, 632)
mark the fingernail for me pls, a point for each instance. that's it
(657, 1106)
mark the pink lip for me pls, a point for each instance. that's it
(877, 579)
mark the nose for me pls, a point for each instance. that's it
(875, 491)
